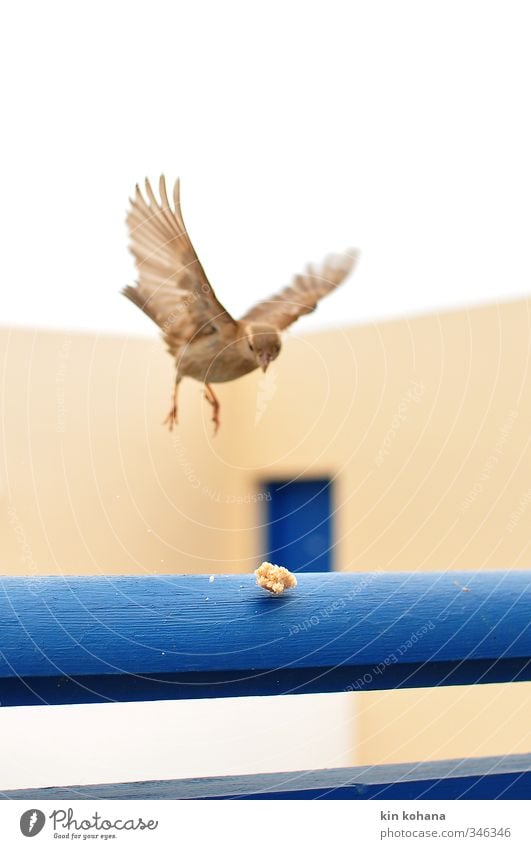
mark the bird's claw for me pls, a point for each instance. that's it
(213, 401)
(171, 418)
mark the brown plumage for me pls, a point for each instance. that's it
(173, 290)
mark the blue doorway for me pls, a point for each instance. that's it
(299, 533)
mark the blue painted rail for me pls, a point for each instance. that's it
(81, 640)
(507, 777)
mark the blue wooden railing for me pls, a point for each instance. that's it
(81, 640)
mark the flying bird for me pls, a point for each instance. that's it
(172, 288)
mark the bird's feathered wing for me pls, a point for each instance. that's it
(305, 292)
(172, 287)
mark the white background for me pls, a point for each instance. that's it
(297, 128)
(285, 823)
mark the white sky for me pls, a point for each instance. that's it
(297, 128)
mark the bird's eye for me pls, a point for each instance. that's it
(250, 347)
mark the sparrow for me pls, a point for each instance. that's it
(207, 343)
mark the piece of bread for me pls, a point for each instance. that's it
(276, 579)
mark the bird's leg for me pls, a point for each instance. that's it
(213, 401)
(171, 418)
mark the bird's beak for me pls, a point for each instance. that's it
(264, 360)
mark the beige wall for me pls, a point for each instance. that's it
(446, 399)
(90, 481)
(423, 423)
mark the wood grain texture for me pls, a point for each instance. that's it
(506, 777)
(127, 638)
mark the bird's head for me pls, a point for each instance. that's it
(264, 342)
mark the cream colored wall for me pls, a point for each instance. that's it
(446, 399)
(89, 480)
(423, 423)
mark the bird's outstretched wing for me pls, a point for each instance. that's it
(172, 287)
(305, 292)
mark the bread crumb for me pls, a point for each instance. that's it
(276, 579)
(211, 579)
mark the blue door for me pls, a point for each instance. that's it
(299, 524)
